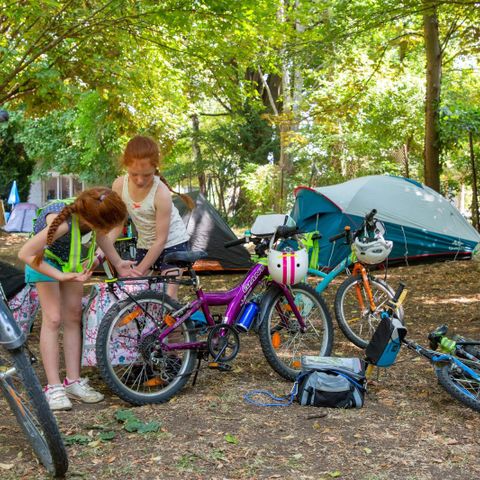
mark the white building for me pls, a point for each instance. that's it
(54, 186)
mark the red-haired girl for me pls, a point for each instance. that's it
(149, 202)
(55, 263)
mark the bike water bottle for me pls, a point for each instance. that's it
(249, 313)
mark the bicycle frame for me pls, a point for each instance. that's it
(234, 298)
(11, 336)
(358, 269)
(435, 358)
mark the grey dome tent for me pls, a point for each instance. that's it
(422, 224)
(21, 218)
(208, 232)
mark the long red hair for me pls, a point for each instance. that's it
(100, 207)
(146, 148)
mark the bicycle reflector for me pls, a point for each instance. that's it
(128, 318)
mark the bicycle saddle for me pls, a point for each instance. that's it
(184, 259)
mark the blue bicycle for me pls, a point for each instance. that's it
(456, 360)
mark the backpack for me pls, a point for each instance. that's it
(102, 297)
(331, 382)
(383, 348)
(76, 259)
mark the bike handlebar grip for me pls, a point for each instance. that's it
(285, 231)
(369, 216)
(399, 291)
(337, 237)
(4, 116)
(233, 243)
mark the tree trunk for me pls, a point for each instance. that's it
(475, 211)
(197, 155)
(433, 53)
(406, 160)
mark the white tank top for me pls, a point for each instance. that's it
(143, 216)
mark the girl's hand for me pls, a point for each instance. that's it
(127, 268)
(76, 277)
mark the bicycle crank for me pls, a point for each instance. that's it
(223, 343)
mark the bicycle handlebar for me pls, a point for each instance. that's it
(286, 232)
(370, 216)
(281, 232)
(368, 221)
(336, 237)
(234, 243)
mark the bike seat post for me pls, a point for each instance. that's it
(193, 275)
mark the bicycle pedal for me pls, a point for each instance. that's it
(223, 367)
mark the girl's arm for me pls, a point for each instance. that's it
(37, 244)
(125, 268)
(163, 209)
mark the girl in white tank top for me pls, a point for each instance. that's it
(143, 216)
(147, 196)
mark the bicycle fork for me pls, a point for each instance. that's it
(359, 269)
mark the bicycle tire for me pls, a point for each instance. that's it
(460, 385)
(32, 411)
(356, 324)
(171, 372)
(280, 360)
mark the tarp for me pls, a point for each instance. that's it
(208, 232)
(421, 223)
(21, 218)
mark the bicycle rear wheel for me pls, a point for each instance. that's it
(358, 322)
(282, 342)
(21, 388)
(460, 384)
(131, 360)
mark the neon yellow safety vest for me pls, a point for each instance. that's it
(75, 262)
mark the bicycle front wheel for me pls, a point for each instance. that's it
(460, 384)
(282, 342)
(131, 360)
(354, 315)
(21, 388)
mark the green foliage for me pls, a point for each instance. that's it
(343, 80)
(15, 163)
(132, 424)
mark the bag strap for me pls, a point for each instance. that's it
(348, 377)
(284, 401)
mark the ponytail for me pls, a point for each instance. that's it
(187, 199)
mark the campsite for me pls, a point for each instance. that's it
(408, 428)
(240, 240)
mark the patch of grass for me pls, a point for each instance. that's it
(187, 462)
(296, 461)
(254, 467)
(217, 454)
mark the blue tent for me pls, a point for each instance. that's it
(421, 223)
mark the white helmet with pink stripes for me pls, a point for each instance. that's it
(288, 266)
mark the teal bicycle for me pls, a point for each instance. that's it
(362, 297)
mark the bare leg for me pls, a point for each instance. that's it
(172, 288)
(71, 293)
(49, 295)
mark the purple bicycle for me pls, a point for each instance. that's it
(147, 343)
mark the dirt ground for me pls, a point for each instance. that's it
(409, 427)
